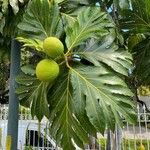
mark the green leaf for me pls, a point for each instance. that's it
(133, 40)
(141, 54)
(104, 97)
(59, 1)
(25, 79)
(40, 106)
(64, 125)
(5, 6)
(2, 22)
(41, 20)
(33, 94)
(25, 83)
(28, 69)
(106, 52)
(32, 43)
(137, 19)
(90, 23)
(68, 19)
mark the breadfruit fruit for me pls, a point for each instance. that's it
(53, 47)
(47, 70)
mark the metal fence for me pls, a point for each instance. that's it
(32, 135)
(35, 136)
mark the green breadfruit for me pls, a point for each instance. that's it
(47, 70)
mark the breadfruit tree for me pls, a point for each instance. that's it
(79, 79)
(88, 94)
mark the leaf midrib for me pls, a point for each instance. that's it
(44, 31)
(98, 118)
(87, 82)
(80, 33)
(69, 16)
(66, 107)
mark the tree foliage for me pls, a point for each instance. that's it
(136, 21)
(103, 40)
(82, 100)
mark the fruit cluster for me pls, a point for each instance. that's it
(144, 90)
(47, 69)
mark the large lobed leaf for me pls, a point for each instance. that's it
(32, 43)
(137, 22)
(41, 20)
(90, 23)
(33, 93)
(84, 99)
(137, 18)
(64, 125)
(105, 51)
(105, 99)
(141, 54)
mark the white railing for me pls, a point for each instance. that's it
(29, 133)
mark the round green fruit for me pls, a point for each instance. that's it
(53, 47)
(47, 70)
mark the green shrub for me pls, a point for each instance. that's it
(127, 144)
